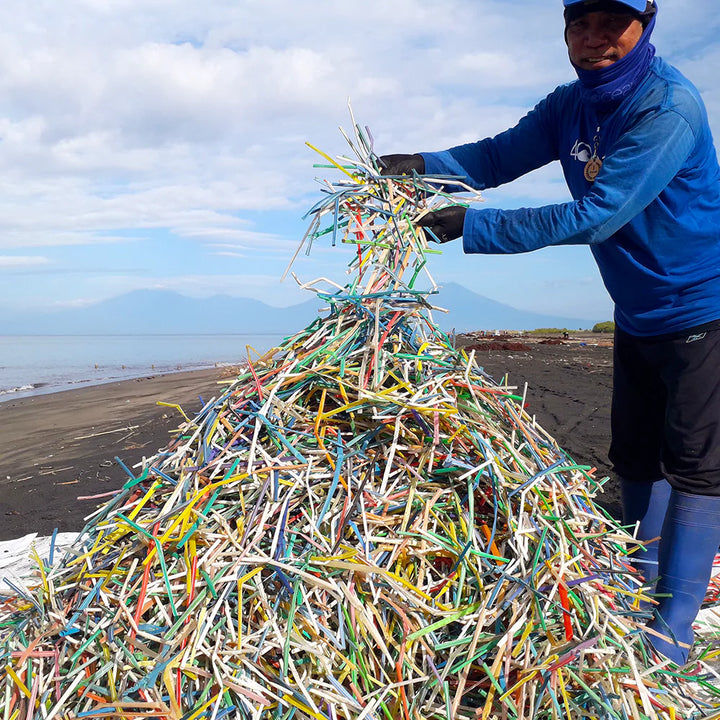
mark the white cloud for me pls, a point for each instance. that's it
(21, 261)
(121, 119)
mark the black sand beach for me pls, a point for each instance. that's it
(59, 447)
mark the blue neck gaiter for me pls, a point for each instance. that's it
(604, 89)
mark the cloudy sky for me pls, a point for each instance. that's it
(161, 143)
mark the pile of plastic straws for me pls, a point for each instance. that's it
(362, 525)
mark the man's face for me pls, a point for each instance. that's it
(598, 39)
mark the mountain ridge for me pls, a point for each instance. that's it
(160, 312)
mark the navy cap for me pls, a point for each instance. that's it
(637, 5)
(643, 9)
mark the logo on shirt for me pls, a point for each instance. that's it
(581, 151)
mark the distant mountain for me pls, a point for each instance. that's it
(470, 311)
(162, 312)
(149, 312)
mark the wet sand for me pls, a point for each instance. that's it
(58, 447)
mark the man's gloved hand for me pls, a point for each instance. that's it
(445, 224)
(401, 164)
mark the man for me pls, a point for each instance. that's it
(636, 150)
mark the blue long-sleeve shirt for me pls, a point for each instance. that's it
(652, 216)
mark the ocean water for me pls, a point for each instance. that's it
(32, 365)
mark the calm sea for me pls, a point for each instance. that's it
(31, 365)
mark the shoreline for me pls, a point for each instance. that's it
(40, 388)
(42, 364)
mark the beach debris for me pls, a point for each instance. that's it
(362, 525)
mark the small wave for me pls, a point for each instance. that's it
(22, 388)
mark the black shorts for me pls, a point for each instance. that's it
(666, 409)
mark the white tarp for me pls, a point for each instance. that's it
(17, 563)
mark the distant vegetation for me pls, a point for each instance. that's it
(604, 327)
(548, 331)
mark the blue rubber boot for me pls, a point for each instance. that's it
(645, 503)
(690, 538)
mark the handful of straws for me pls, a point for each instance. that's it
(362, 525)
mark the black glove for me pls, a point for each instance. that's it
(401, 164)
(445, 224)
